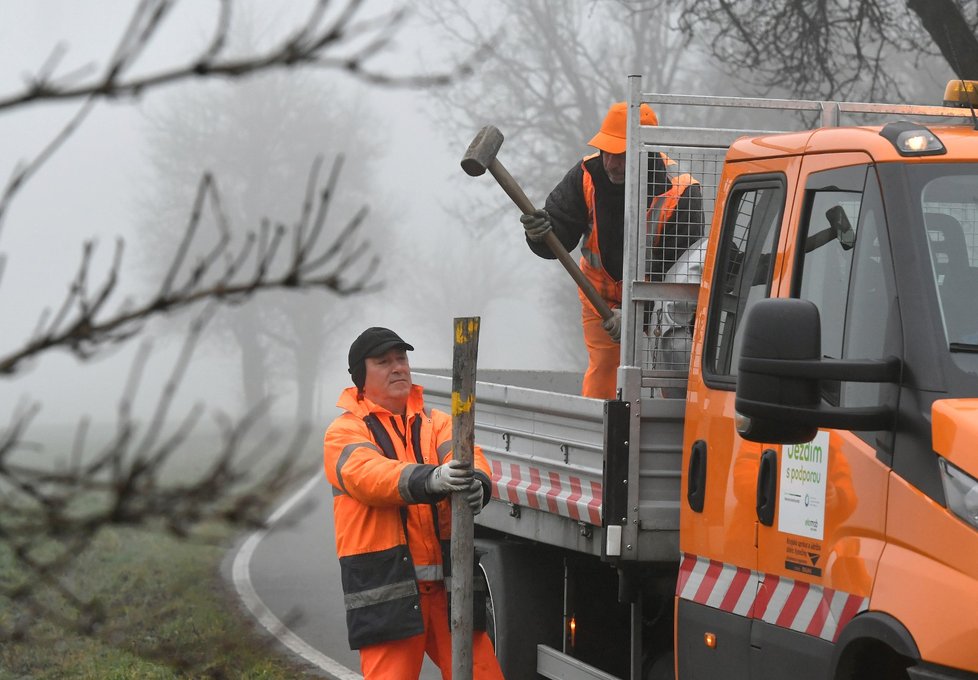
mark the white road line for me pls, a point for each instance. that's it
(241, 575)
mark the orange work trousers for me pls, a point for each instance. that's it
(603, 355)
(402, 659)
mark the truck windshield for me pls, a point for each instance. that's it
(949, 203)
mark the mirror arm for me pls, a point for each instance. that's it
(849, 370)
(868, 418)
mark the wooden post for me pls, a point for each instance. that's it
(465, 353)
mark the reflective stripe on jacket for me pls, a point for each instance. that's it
(591, 265)
(377, 464)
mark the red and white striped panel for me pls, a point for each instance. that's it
(722, 586)
(797, 605)
(553, 492)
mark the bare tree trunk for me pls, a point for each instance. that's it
(952, 34)
(253, 378)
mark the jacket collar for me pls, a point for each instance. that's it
(348, 401)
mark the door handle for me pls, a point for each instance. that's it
(696, 477)
(767, 487)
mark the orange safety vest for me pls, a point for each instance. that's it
(591, 266)
(390, 533)
(661, 209)
(663, 206)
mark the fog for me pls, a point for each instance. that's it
(96, 184)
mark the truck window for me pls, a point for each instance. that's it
(870, 305)
(950, 211)
(743, 271)
(843, 273)
(827, 262)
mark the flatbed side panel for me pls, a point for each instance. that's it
(542, 527)
(546, 451)
(660, 463)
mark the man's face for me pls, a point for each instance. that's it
(614, 165)
(388, 380)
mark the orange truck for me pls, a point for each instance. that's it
(787, 484)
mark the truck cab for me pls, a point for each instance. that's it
(831, 517)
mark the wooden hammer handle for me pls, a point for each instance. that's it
(515, 192)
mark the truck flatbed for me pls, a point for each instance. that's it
(546, 447)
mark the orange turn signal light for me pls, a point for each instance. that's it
(710, 640)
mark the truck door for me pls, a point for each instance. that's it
(718, 571)
(821, 504)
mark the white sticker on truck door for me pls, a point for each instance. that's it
(802, 488)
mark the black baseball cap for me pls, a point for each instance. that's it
(371, 343)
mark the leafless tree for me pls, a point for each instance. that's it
(258, 137)
(49, 511)
(553, 70)
(837, 48)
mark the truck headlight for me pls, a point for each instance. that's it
(960, 491)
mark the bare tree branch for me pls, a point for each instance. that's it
(310, 45)
(50, 510)
(48, 516)
(307, 46)
(834, 48)
(951, 32)
(23, 172)
(83, 326)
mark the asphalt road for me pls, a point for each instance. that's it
(288, 577)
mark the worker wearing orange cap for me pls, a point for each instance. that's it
(589, 204)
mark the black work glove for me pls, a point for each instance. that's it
(536, 224)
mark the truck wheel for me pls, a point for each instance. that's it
(873, 659)
(523, 607)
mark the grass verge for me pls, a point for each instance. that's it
(168, 614)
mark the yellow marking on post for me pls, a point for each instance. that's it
(465, 329)
(458, 406)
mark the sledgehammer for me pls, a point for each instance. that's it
(481, 156)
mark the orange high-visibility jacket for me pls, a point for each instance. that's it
(390, 533)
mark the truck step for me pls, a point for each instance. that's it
(559, 666)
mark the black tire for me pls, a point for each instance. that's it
(524, 602)
(873, 659)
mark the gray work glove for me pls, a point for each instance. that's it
(474, 496)
(452, 476)
(536, 224)
(613, 325)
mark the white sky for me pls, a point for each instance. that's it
(85, 192)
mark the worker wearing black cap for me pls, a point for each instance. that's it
(390, 462)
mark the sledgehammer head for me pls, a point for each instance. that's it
(482, 151)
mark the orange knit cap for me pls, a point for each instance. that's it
(611, 137)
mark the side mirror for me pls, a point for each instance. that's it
(780, 371)
(783, 332)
